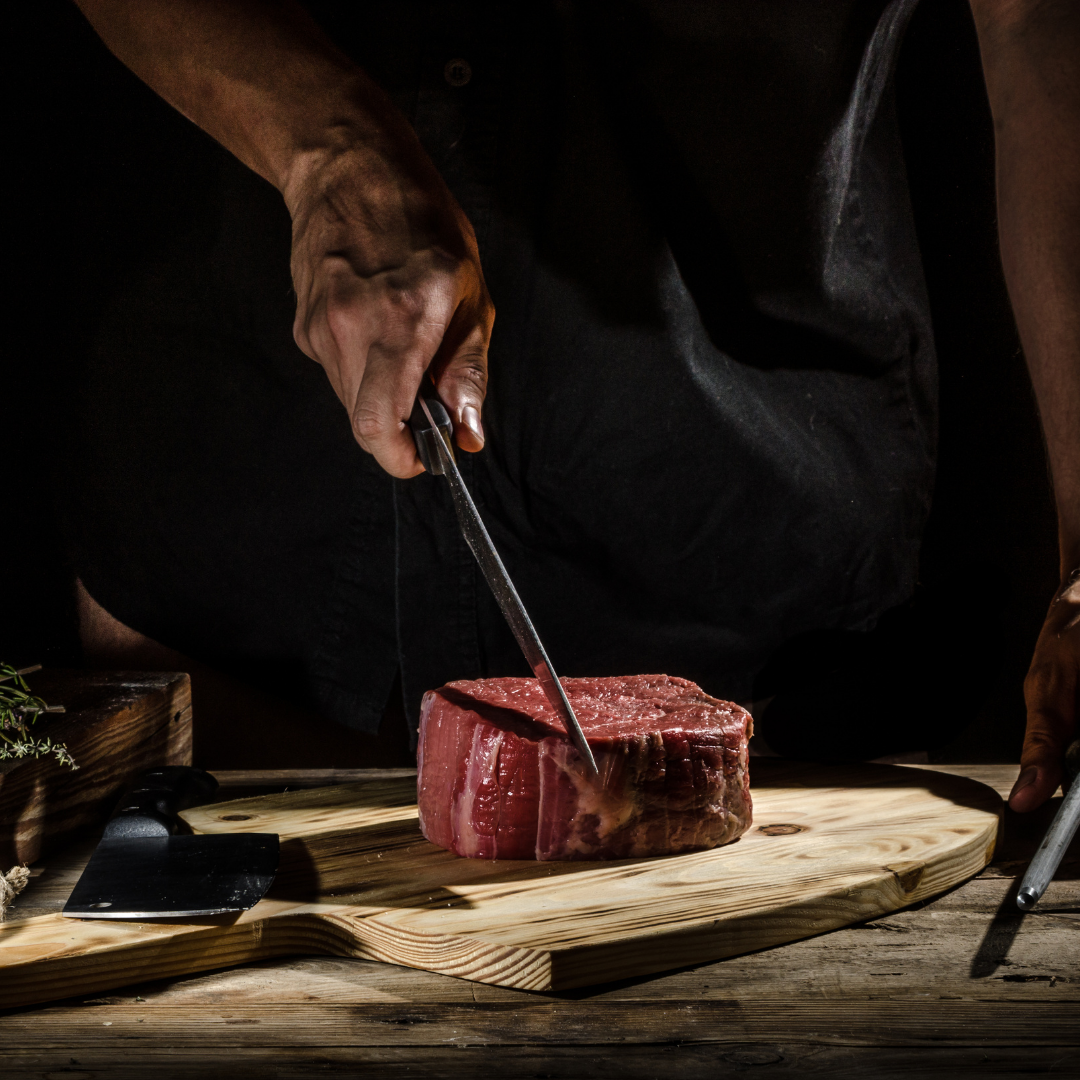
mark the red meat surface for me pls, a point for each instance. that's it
(499, 779)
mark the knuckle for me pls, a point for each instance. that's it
(1033, 681)
(343, 319)
(470, 377)
(368, 426)
(1044, 745)
(1045, 726)
(301, 327)
(302, 339)
(1042, 704)
(463, 386)
(470, 362)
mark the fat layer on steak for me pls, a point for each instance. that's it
(499, 779)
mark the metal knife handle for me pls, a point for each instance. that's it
(1047, 858)
(150, 806)
(425, 435)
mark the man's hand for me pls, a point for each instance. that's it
(1031, 59)
(1052, 690)
(389, 288)
(387, 274)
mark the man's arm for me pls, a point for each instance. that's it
(384, 261)
(1031, 59)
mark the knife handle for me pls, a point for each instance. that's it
(424, 434)
(150, 806)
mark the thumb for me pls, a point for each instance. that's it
(461, 383)
(1052, 692)
(1044, 741)
(1034, 785)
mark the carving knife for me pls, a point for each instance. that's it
(432, 430)
(144, 868)
(1051, 851)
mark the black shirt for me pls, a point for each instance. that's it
(711, 414)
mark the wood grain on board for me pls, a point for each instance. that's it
(961, 986)
(117, 724)
(858, 841)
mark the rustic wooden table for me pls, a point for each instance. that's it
(961, 986)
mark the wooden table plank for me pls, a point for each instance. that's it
(715, 1021)
(762, 1061)
(964, 985)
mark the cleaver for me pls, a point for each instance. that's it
(145, 868)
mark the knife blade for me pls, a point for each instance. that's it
(144, 869)
(432, 430)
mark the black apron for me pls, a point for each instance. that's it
(711, 415)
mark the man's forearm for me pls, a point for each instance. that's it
(384, 262)
(1031, 58)
(257, 75)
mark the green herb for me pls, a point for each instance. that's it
(18, 710)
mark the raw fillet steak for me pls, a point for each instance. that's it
(499, 779)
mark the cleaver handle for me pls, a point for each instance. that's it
(151, 805)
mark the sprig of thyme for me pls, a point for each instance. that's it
(18, 710)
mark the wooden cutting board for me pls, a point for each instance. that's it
(117, 724)
(830, 846)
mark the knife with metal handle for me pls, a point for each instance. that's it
(1051, 851)
(433, 432)
(145, 868)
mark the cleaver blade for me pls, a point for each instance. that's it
(144, 869)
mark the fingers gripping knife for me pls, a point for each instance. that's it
(1051, 851)
(432, 431)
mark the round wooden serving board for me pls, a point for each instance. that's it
(830, 845)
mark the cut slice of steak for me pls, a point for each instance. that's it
(499, 779)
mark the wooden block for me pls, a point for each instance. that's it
(830, 846)
(117, 724)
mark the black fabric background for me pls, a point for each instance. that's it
(988, 561)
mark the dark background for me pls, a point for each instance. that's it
(96, 170)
